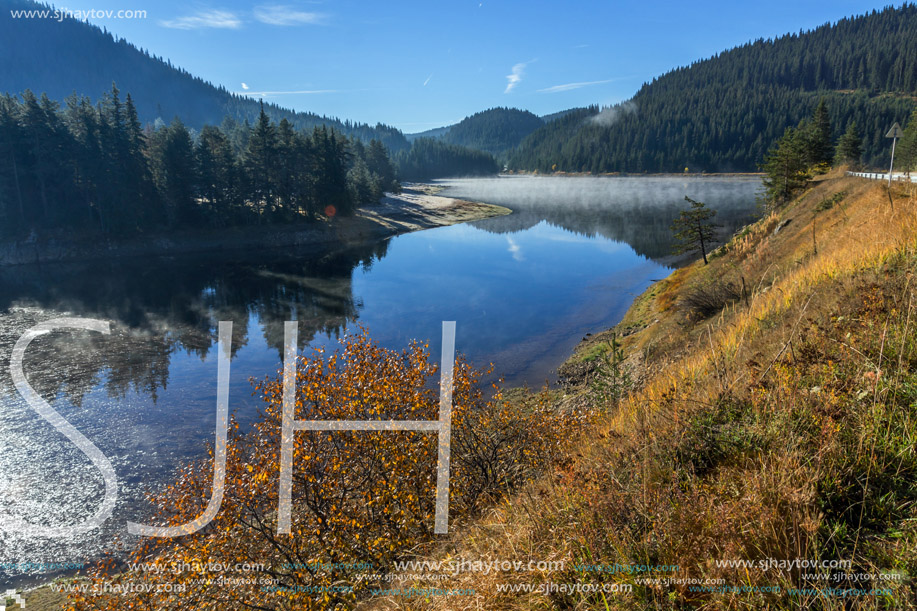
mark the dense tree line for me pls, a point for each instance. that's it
(428, 158)
(493, 131)
(89, 167)
(906, 154)
(69, 56)
(723, 113)
(807, 149)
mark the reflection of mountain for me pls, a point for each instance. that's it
(159, 307)
(648, 232)
(637, 211)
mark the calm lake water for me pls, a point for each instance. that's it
(523, 289)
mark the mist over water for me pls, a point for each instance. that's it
(523, 289)
(638, 210)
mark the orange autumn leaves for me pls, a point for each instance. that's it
(359, 497)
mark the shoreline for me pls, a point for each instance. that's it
(417, 207)
(633, 174)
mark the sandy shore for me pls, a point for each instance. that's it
(417, 207)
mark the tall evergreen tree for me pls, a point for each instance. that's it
(139, 188)
(379, 164)
(217, 176)
(821, 151)
(332, 161)
(172, 154)
(906, 158)
(261, 163)
(83, 122)
(11, 164)
(786, 166)
(849, 147)
(43, 150)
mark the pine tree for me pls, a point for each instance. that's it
(332, 160)
(361, 184)
(11, 197)
(83, 123)
(820, 147)
(172, 155)
(217, 180)
(694, 229)
(378, 163)
(261, 165)
(39, 141)
(139, 190)
(906, 158)
(849, 147)
(786, 166)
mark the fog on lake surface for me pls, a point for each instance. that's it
(523, 289)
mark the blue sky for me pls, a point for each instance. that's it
(423, 64)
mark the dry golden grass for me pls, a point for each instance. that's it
(783, 429)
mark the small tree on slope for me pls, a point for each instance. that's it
(695, 229)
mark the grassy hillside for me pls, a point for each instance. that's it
(779, 427)
(722, 113)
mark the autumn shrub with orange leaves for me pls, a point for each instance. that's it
(361, 499)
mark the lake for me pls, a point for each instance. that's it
(523, 290)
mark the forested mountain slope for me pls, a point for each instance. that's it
(494, 131)
(723, 113)
(67, 56)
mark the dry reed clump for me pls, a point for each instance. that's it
(705, 300)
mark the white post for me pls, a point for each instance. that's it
(894, 141)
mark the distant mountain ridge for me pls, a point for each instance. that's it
(495, 130)
(63, 57)
(718, 114)
(723, 113)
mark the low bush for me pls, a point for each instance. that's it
(706, 300)
(360, 498)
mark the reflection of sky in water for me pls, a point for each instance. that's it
(523, 289)
(515, 298)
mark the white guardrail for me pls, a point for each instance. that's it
(897, 177)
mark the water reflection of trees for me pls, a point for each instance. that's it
(648, 232)
(637, 211)
(163, 306)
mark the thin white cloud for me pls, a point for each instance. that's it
(515, 76)
(283, 14)
(245, 87)
(428, 80)
(572, 86)
(204, 19)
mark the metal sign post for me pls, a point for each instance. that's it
(894, 133)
